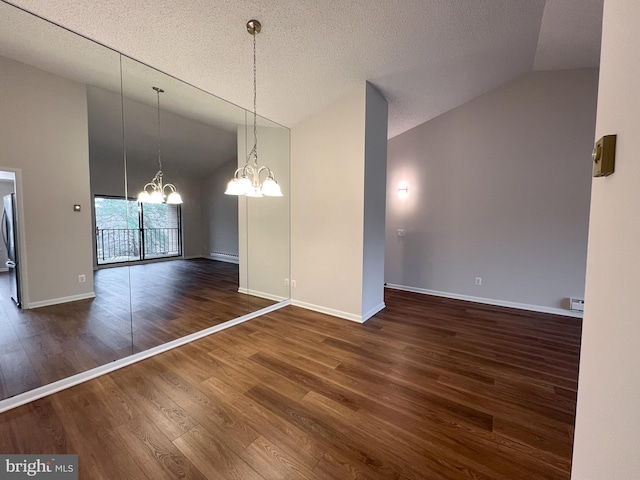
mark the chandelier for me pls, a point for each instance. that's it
(154, 191)
(247, 179)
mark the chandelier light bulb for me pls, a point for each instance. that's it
(270, 188)
(174, 198)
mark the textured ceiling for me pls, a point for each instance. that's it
(425, 56)
(569, 35)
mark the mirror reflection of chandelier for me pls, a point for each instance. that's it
(247, 179)
(154, 191)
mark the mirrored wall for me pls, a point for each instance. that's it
(99, 275)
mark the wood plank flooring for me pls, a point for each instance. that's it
(168, 300)
(427, 389)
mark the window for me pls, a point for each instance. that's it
(130, 231)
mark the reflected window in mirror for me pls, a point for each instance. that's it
(129, 231)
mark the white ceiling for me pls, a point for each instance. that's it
(425, 56)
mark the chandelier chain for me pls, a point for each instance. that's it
(158, 90)
(255, 88)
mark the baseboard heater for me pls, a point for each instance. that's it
(576, 304)
(225, 257)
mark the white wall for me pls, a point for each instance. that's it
(498, 189)
(608, 416)
(327, 203)
(43, 132)
(337, 209)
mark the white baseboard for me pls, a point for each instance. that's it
(372, 312)
(329, 311)
(256, 293)
(224, 257)
(488, 301)
(4, 269)
(56, 301)
(338, 313)
(74, 380)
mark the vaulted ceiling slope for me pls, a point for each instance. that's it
(425, 56)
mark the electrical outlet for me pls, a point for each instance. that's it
(293, 283)
(82, 278)
(286, 282)
(478, 280)
(401, 232)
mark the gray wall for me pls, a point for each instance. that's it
(263, 223)
(220, 211)
(108, 166)
(375, 177)
(43, 133)
(499, 188)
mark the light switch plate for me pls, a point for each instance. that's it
(604, 156)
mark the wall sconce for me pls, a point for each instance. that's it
(403, 190)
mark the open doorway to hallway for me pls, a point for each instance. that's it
(9, 251)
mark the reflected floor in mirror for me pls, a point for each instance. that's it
(172, 299)
(169, 300)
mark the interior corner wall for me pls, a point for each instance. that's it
(375, 179)
(44, 134)
(499, 189)
(192, 208)
(220, 211)
(327, 201)
(607, 432)
(263, 223)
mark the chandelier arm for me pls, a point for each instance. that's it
(150, 184)
(270, 173)
(248, 169)
(263, 169)
(171, 187)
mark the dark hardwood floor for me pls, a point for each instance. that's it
(168, 300)
(427, 389)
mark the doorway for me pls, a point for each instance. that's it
(9, 250)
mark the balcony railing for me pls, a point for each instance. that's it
(124, 244)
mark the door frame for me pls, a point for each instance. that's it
(22, 237)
